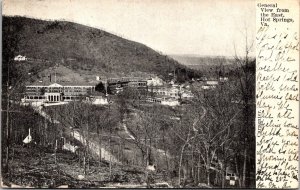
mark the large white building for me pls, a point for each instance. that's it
(172, 92)
(163, 101)
(155, 81)
(57, 92)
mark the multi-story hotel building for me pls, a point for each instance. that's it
(165, 91)
(57, 92)
(117, 84)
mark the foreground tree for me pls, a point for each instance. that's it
(217, 129)
(245, 77)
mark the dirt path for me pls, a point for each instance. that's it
(94, 147)
(201, 118)
(160, 151)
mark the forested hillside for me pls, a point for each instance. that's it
(85, 50)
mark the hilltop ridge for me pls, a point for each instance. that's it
(85, 50)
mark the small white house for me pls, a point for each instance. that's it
(99, 100)
(20, 58)
(223, 79)
(150, 168)
(206, 87)
(212, 82)
(187, 95)
(169, 102)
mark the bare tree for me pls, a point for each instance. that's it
(245, 75)
(215, 117)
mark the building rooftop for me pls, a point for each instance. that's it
(62, 83)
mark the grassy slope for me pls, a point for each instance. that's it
(88, 51)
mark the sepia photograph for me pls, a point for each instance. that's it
(128, 94)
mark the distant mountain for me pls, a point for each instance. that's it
(213, 66)
(84, 50)
(206, 64)
(202, 60)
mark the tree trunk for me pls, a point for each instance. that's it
(147, 153)
(88, 147)
(84, 165)
(119, 151)
(142, 158)
(109, 159)
(88, 162)
(79, 159)
(100, 155)
(192, 172)
(208, 177)
(110, 151)
(244, 168)
(198, 168)
(223, 167)
(237, 172)
(55, 151)
(45, 132)
(99, 147)
(7, 132)
(208, 170)
(165, 153)
(147, 179)
(180, 164)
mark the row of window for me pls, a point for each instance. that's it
(129, 84)
(35, 97)
(59, 90)
(166, 93)
(153, 100)
(44, 97)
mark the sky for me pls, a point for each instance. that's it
(195, 27)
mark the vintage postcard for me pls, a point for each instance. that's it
(150, 94)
